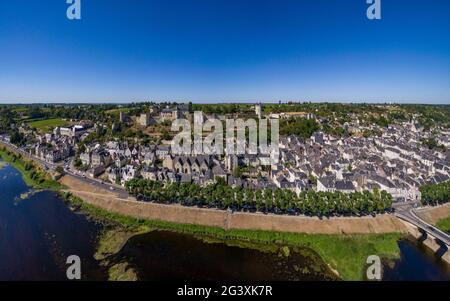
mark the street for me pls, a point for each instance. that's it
(121, 192)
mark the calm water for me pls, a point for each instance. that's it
(164, 255)
(38, 233)
(417, 263)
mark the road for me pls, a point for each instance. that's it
(406, 212)
(121, 192)
(27, 155)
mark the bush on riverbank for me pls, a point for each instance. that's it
(345, 253)
(279, 201)
(32, 175)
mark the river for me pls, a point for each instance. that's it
(38, 232)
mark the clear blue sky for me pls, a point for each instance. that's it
(224, 50)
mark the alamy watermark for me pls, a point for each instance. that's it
(73, 272)
(374, 270)
(373, 11)
(192, 141)
(74, 10)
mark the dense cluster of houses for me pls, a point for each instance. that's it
(121, 162)
(59, 145)
(396, 161)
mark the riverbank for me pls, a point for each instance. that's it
(112, 201)
(432, 215)
(438, 216)
(32, 174)
(344, 243)
(346, 254)
(115, 233)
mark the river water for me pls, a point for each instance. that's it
(39, 232)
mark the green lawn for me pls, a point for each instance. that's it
(115, 112)
(20, 109)
(444, 224)
(47, 124)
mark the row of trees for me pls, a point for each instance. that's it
(7, 122)
(433, 144)
(435, 194)
(16, 137)
(279, 201)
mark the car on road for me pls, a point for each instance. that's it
(111, 188)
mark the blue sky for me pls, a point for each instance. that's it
(224, 50)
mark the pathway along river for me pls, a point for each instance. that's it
(38, 232)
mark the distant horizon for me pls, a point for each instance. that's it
(212, 102)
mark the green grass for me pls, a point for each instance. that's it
(39, 181)
(47, 124)
(19, 109)
(28, 119)
(122, 272)
(444, 224)
(345, 253)
(116, 112)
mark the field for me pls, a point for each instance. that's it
(48, 124)
(20, 109)
(116, 112)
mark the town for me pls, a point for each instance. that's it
(363, 154)
(225, 141)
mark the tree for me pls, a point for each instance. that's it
(78, 163)
(222, 196)
(434, 194)
(59, 169)
(301, 127)
(35, 112)
(16, 137)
